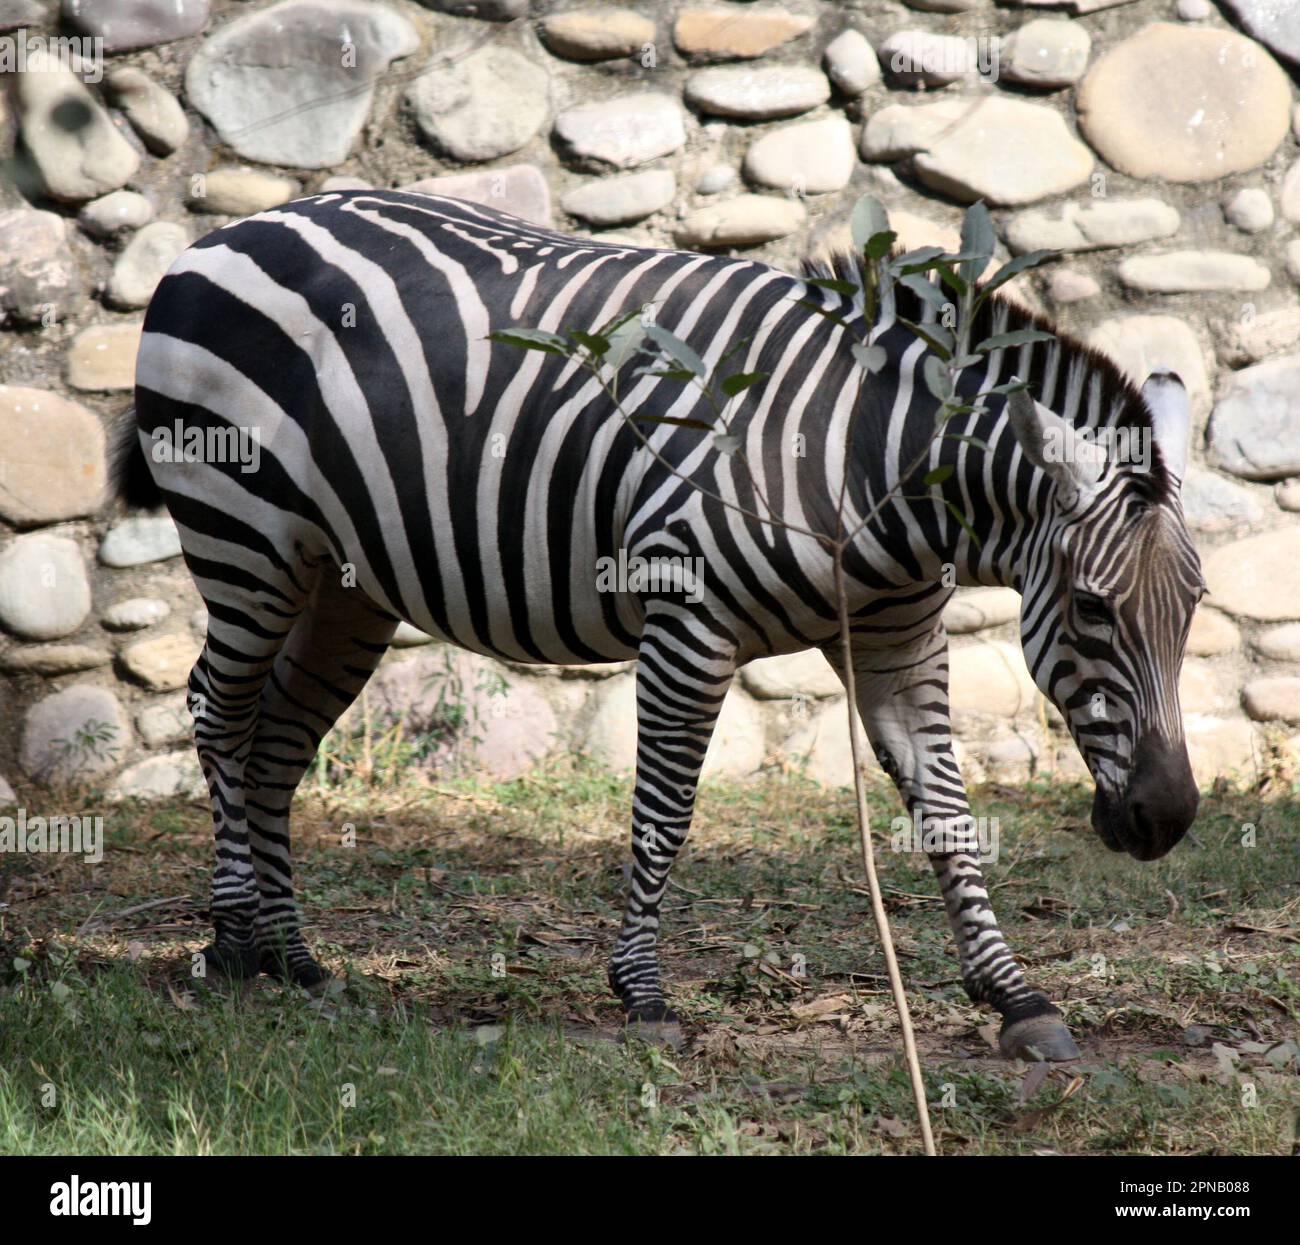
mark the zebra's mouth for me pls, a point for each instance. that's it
(1121, 830)
(1102, 819)
(1156, 808)
(1115, 825)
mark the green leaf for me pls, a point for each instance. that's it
(619, 321)
(938, 338)
(1173, 1095)
(966, 436)
(927, 290)
(833, 316)
(625, 339)
(937, 379)
(868, 220)
(592, 342)
(920, 260)
(532, 339)
(733, 385)
(673, 346)
(948, 274)
(879, 245)
(870, 358)
(830, 283)
(735, 348)
(962, 519)
(977, 240)
(726, 442)
(1018, 337)
(938, 475)
(665, 373)
(1014, 267)
(676, 422)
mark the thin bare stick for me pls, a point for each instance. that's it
(657, 455)
(367, 754)
(877, 276)
(869, 864)
(96, 922)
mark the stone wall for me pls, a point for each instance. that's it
(1151, 140)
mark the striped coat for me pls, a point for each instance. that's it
(408, 468)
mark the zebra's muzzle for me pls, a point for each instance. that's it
(1156, 808)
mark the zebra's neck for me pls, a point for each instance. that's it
(1003, 496)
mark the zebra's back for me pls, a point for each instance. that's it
(474, 488)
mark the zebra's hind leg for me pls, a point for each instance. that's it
(245, 631)
(334, 647)
(902, 696)
(683, 672)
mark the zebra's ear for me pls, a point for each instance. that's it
(1053, 445)
(1171, 418)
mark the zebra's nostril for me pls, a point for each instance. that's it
(1161, 801)
(1139, 834)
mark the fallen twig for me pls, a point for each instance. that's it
(96, 922)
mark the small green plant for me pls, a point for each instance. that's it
(759, 969)
(358, 754)
(93, 744)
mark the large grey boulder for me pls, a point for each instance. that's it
(293, 84)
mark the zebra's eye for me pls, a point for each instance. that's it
(1093, 609)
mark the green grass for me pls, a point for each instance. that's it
(470, 928)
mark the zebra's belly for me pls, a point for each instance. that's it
(533, 637)
(503, 581)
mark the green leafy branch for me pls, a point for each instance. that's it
(947, 282)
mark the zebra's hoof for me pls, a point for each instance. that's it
(232, 963)
(306, 974)
(656, 1024)
(1040, 1039)
(655, 1032)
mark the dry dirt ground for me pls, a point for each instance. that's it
(481, 917)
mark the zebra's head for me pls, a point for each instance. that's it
(1110, 582)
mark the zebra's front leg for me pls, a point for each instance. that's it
(1032, 1027)
(681, 682)
(902, 696)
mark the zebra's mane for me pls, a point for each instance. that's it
(1122, 404)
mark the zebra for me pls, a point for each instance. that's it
(411, 469)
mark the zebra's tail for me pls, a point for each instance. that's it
(130, 480)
